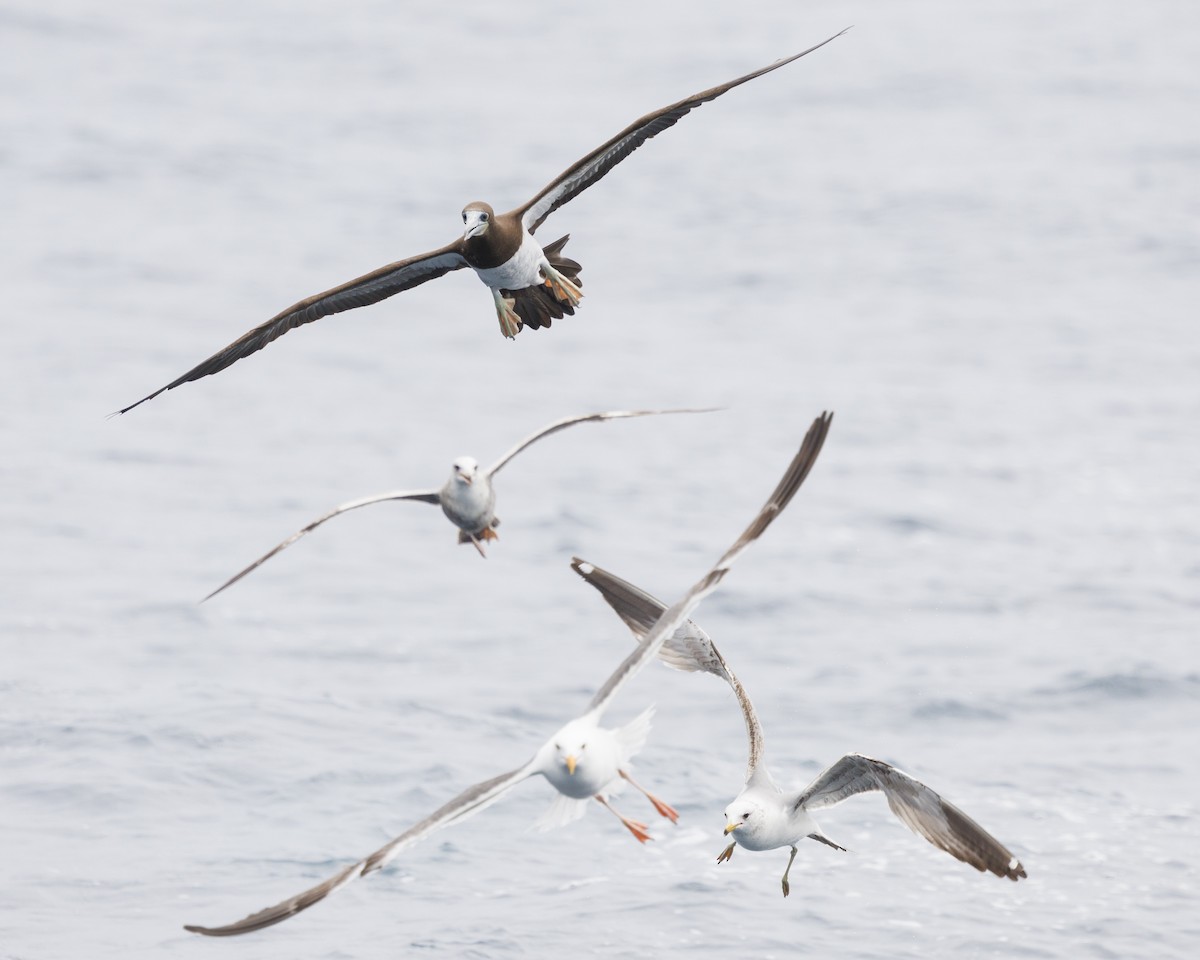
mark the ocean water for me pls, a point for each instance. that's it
(970, 230)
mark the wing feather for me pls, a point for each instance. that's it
(426, 496)
(591, 168)
(675, 615)
(467, 803)
(689, 648)
(917, 806)
(367, 289)
(581, 418)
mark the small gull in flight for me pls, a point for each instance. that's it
(467, 497)
(583, 760)
(763, 817)
(531, 285)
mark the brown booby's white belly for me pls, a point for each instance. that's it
(521, 270)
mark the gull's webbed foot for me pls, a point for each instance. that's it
(786, 886)
(726, 854)
(636, 827)
(664, 809)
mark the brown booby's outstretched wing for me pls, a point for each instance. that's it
(583, 173)
(469, 802)
(367, 289)
(425, 496)
(581, 418)
(917, 806)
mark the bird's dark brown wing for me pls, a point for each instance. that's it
(367, 289)
(583, 173)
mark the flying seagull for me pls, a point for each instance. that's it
(531, 285)
(467, 497)
(763, 817)
(583, 760)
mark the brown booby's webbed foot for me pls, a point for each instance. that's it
(561, 286)
(510, 323)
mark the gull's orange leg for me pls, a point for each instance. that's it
(664, 808)
(636, 827)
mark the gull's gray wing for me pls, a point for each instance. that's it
(469, 802)
(689, 648)
(425, 496)
(581, 418)
(675, 615)
(365, 290)
(917, 806)
(583, 173)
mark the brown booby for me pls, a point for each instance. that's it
(467, 498)
(583, 760)
(531, 285)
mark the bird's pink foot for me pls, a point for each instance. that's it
(638, 829)
(562, 287)
(510, 323)
(664, 808)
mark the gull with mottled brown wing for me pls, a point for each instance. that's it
(763, 817)
(531, 285)
(583, 760)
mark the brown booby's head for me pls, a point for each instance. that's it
(477, 217)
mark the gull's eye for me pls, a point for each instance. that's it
(583, 746)
(558, 746)
(745, 816)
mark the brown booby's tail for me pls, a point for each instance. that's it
(537, 306)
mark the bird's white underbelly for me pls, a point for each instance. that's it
(583, 783)
(519, 271)
(469, 506)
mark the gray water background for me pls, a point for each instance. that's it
(970, 229)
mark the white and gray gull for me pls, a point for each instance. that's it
(531, 285)
(583, 760)
(764, 817)
(467, 498)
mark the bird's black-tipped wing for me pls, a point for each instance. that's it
(581, 418)
(425, 496)
(689, 648)
(469, 802)
(367, 289)
(918, 807)
(587, 171)
(666, 625)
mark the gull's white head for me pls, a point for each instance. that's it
(466, 469)
(743, 818)
(477, 217)
(570, 745)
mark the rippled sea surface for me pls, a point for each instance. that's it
(969, 229)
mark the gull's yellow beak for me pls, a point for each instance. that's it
(571, 764)
(731, 827)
